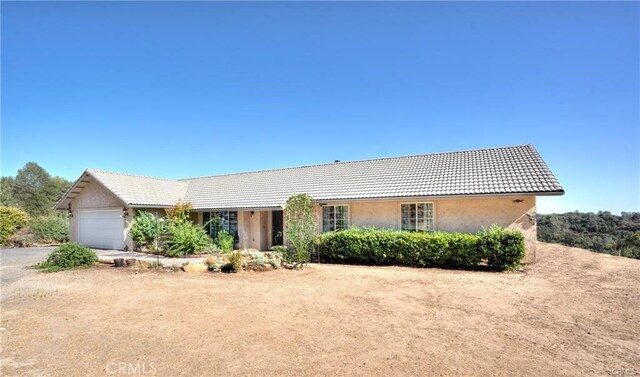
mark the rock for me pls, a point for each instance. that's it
(196, 267)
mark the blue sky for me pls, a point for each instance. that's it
(189, 89)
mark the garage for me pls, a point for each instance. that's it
(102, 229)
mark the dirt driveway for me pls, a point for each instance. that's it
(574, 312)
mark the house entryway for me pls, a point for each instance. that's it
(276, 227)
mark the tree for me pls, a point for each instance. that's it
(603, 232)
(28, 189)
(35, 191)
(630, 246)
(55, 188)
(300, 229)
(6, 192)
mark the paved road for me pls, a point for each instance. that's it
(14, 262)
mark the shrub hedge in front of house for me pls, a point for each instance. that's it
(502, 249)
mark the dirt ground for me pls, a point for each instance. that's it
(573, 312)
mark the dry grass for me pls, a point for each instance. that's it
(574, 312)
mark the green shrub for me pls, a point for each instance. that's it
(235, 259)
(433, 249)
(503, 248)
(185, 238)
(67, 256)
(279, 249)
(628, 247)
(11, 220)
(300, 229)
(145, 229)
(225, 241)
(52, 228)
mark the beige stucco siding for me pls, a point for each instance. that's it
(252, 229)
(378, 214)
(93, 196)
(467, 215)
(451, 215)
(471, 215)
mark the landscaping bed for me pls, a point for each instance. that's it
(574, 312)
(236, 261)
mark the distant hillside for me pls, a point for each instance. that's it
(602, 232)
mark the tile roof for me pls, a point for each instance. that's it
(506, 170)
(138, 190)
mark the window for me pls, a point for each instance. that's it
(335, 218)
(416, 216)
(228, 222)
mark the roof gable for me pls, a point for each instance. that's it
(131, 190)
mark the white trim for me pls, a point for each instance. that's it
(429, 198)
(334, 205)
(100, 209)
(433, 212)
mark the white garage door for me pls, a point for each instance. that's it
(101, 229)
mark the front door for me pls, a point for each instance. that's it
(276, 228)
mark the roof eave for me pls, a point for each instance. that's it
(236, 208)
(87, 172)
(447, 196)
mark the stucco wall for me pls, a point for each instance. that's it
(93, 196)
(471, 215)
(466, 215)
(252, 229)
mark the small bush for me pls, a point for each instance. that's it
(179, 213)
(11, 220)
(260, 261)
(225, 241)
(52, 228)
(185, 238)
(145, 229)
(504, 249)
(272, 258)
(279, 249)
(235, 259)
(195, 267)
(214, 264)
(67, 256)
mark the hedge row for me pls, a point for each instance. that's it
(502, 249)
